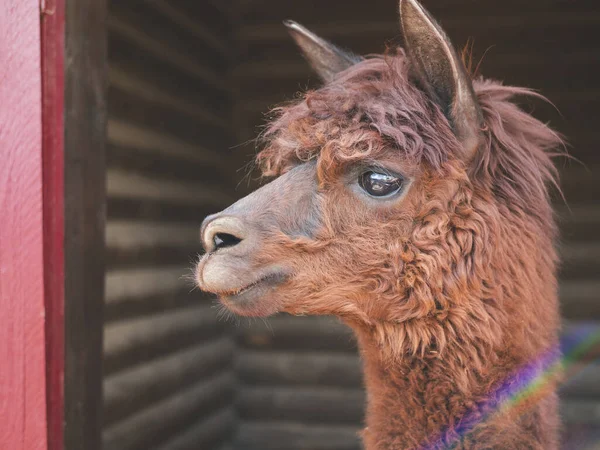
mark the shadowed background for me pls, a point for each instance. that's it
(189, 84)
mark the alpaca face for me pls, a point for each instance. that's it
(338, 234)
(361, 167)
(319, 239)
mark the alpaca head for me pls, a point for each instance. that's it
(388, 183)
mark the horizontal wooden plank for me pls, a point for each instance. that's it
(165, 419)
(129, 309)
(138, 283)
(132, 235)
(579, 299)
(157, 211)
(569, 115)
(217, 16)
(580, 412)
(580, 260)
(299, 369)
(120, 183)
(137, 388)
(146, 65)
(147, 41)
(579, 339)
(130, 108)
(162, 95)
(373, 35)
(127, 135)
(291, 436)
(582, 381)
(284, 332)
(577, 437)
(577, 212)
(579, 183)
(201, 31)
(579, 232)
(170, 167)
(279, 435)
(579, 222)
(579, 69)
(156, 18)
(133, 341)
(360, 38)
(263, 12)
(208, 433)
(142, 258)
(302, 404)
(286, 436)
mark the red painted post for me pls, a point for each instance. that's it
(23, 424)
(31, 224)
(53, 132)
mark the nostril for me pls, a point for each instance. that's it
(224, 240)
(219, 232)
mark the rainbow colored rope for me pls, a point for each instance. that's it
(528, 384)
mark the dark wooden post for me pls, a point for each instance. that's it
(85, 124)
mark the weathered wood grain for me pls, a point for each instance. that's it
(138, 387)
(330, 405)
(141, 339)
(281, 368)
(169, 128)
(85, 213)
(284, 332)
(165, 419)
(281, 435)
(209, 433)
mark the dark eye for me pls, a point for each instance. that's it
(378, 184)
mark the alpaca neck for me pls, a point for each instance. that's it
(417, 402)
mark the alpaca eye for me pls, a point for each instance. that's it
(378, 184)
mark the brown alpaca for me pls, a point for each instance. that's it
(412, 202)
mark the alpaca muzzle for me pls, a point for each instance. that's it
(229, 269)
(235, 265)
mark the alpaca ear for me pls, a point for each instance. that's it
(442, 73)
(325, 58)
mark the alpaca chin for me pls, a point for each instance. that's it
(257, 301)
(241, 289)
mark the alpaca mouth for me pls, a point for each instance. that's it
(239, 284)
(247, 300)
(239, 288)
(272, 279)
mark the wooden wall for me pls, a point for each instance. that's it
(175, 377)
(301, 385)
(301, 382)
(168, 374)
